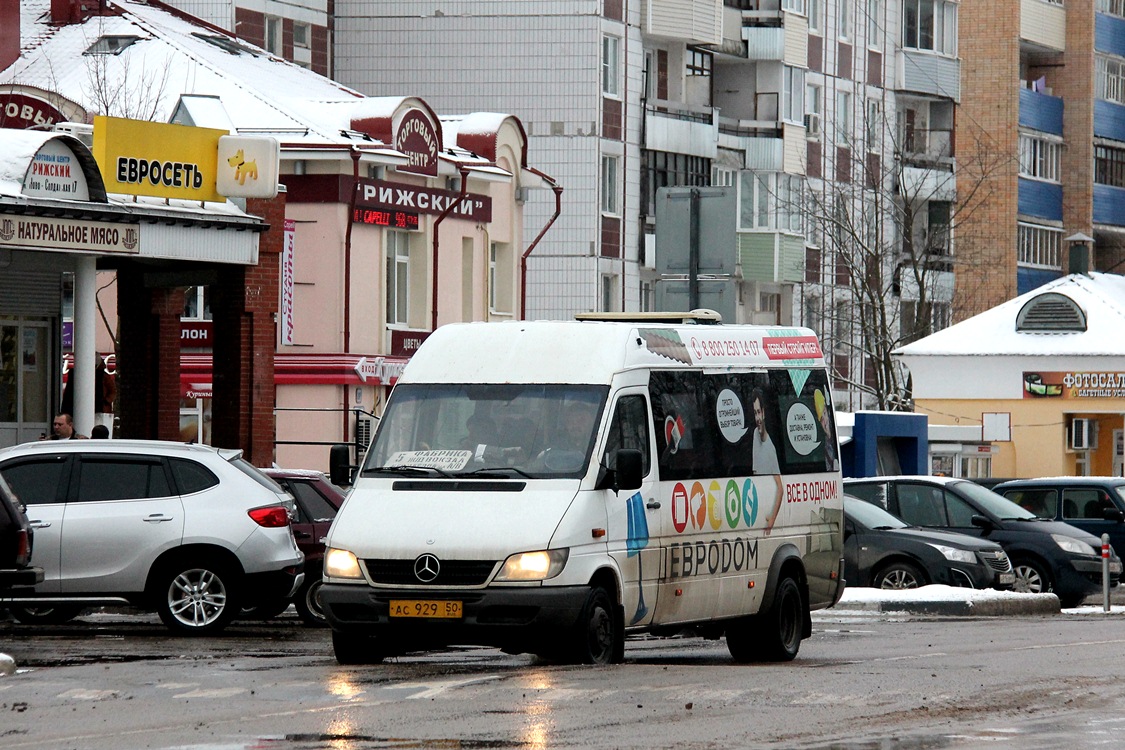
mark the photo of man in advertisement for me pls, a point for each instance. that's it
(765, 455)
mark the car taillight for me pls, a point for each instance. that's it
(271, 517)
(23, 548)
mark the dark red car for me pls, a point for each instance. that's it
(15, 543)
(317, 503)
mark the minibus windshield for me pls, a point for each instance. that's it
(487, 430)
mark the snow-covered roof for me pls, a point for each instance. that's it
(1101, 296)
(174, 54)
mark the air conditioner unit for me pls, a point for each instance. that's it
(812, 125)
(1081, 434)
(364, 429)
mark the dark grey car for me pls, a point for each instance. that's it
(1094, 504)
(1046, 555)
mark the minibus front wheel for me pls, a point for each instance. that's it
(599, 634)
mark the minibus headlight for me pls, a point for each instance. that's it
(339, 563)
(533, 566)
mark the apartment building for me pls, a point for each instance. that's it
(299, 31)
(1045, 87)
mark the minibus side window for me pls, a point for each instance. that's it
(629, 429)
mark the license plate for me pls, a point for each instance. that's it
(429, 608)
(1007, 578)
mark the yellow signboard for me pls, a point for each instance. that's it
(152, 158)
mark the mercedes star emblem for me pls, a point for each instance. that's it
(426, 568)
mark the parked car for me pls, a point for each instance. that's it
(1046, 555)
(16, 541)
(190, 531)
(1094, 504)
(317, 503)
(883, 551)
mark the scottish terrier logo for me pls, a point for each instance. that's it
(243, 168)
(7, 230)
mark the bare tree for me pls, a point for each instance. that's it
(883, 275)
(117, 88)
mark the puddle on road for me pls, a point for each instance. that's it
(364, 742)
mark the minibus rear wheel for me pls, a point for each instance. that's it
(773, 635)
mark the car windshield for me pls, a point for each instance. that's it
(1120, 490)
(487, 430)
(997, 505)
(871, 516)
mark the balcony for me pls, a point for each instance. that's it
(1043, 24)
(928, 73)
(681, 128)
(1109, 205)
(927, 148)
(1041, 111)
(768, 145)
(1040, 199)
(762, 31)
(927, 184)
(771, 256)
(691, 21)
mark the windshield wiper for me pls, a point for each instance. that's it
(503, 472)
(411, 470)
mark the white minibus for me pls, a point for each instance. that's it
(553, 486)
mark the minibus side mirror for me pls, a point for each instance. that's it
(628, 469)
(1113, 514)
(340, 465)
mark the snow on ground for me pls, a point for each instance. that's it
(858, 598)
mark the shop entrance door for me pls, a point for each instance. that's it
(1118, 453)
(25, 380)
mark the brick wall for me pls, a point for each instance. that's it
(244, 305)
(987, 136)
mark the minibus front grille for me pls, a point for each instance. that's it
(451, 572)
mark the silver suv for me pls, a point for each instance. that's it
(193, 532)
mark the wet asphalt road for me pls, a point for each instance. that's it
(113, 680)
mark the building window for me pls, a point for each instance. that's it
(930, 25)
(844, 27)
(697, 63)
(501, 293)
(492, 276)
(1039, 157)
(769, 303)
(301, 35)
(1112, 7)
(874, 22)
(609, 292)
(1109, 83)
(197, 303)
(793, 84)
(874, 124)
(814, 15)
(1109, 164)
(273, 35)
(813, 112)
(722, 177)
(111, 45)
(794, 6)
(609, 185)
(664, 169)
(772, 201)
(843, 119)
(611, 66)
(398, 278)
(1038, 246)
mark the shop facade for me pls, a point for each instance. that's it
(1033, 387)
(61, 231)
